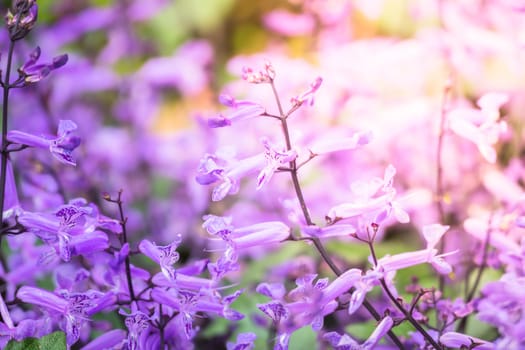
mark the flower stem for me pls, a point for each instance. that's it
(300, 197)
(3, 150)
(440, 191)
(124, 240)
(470, 295)
(400, 307)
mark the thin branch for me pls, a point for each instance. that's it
(123, 239)
(300, 197)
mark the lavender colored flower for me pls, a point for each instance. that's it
(336, 230)
(256, 235)
(266, 75)
(70, 308)
(184, 282)
(289, 24)
(61, 146)
(189, 303)
(308, 95)
(227, 172)
(244, 342)
(165, 256)
(458, 340)
(275, 158)
(137, 323)
(108, 340)
(71, 230)
(31, 72)
(502, 306)
(334, 143)
(240, 110)
(374, 199)
(345, 342)
(482, 127)
(432, 234)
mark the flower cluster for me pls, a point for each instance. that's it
(338, 190)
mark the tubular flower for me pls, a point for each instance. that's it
(275, 159)
(345, 342)
(240, 110)
(61, 146)
(165, 256)
(374, 200)
(432, 234)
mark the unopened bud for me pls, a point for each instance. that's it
(22, 18)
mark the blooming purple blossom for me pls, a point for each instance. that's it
(61, 147)
(343, 342)
(240, 110)
(275, 158)
(432, 234)
(70, 308)
(165, 256)
(227, 172)
(31, 72)
(374, 199)
(141, 105)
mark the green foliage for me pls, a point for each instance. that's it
(53, 341)
(183, 19)
(303, 339)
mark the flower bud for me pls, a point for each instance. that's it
(22, 19)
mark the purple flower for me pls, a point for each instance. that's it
(186, 69)
(71, 230)
(71, 308)
(165, 256)
(502, 305)
(266, 75)
(227, 172)
(31, 72)
(374, 200)
(255, 235)
(275, 158)
(362, 284)
(61, 146)
(458, 340)
(184, 282)
(308, 95)
(244, 342)
(345, 342)
(24, 329)
(334, 143)
(288, 23)
(188, 303)
(240, 110)
(311, 300)
(108, 340)
(137, 322)
(432, 234)
(336, 230)
(482, 127)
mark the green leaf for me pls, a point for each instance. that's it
(53, 341)
(303, 339)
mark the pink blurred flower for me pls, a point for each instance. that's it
(289, 24)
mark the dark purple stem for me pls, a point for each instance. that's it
(300, 197)
(5, 153)
(124, 240)
(400, 307)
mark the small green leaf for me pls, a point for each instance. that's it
(53, 341)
